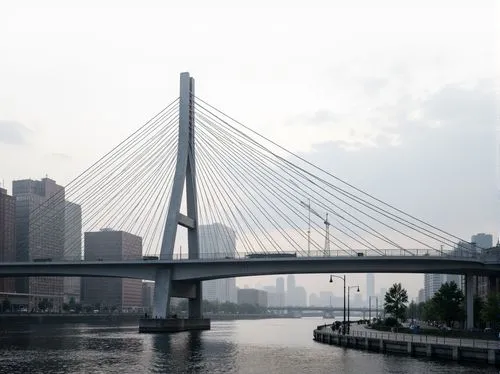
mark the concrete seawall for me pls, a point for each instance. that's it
(418, 346)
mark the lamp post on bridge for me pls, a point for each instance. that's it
(343, 279)
(348, 317)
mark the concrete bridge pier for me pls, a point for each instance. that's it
(185, 174)
(195, 304)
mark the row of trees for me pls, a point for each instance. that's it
(447, 305)
(224, 308)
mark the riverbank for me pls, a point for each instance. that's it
(468, 350)
(49, 318)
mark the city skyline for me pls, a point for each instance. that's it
(375, 111)
(254, 282)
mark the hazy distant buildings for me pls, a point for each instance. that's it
(370, 285)
(421, 296)
(7, 236)
(72, 248)
(109, 245)
(252, 296)
(314, 300)
(218, 241)
(280, 291)
(40, 227)
(326, 298)
(295, 296)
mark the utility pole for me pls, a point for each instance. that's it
(327, 228)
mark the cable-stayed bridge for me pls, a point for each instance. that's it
(248, 207)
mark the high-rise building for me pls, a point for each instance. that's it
(433, 282)
(290, 297)
(300, 296)
(280, 285)
(280, 291)
(421, 296)
(147, 294)
(218, 241)
(483, 241)
(326, 298)
(40, 227)
(252, 296)
(72, 248)
(110, 245)
(7, 236)
(370, 285)
(314, 300)
(290, 283)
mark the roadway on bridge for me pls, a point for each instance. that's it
(193, 270)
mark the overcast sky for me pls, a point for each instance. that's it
(399, 98)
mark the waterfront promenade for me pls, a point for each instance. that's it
(456, 349)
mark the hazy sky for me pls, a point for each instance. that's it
(399, 98)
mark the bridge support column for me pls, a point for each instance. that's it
(469, 300)
(195, 305)
(163, 284)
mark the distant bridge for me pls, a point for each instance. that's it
(324, 309)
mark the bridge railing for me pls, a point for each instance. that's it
(336, 253)
(356, 253)
(420, 338)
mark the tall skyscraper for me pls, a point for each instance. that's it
(291, 299)
(483, 241)
(147, 294)
(432, 283)
(370, 285)
(72, 248)
(280, 291)
(40, 235)
(218, 241)
(280, 285)
(7, 236)
(109, 245)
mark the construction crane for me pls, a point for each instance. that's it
(327, 228)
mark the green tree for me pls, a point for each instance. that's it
(412, 311)
(6, 305)
(429, 312)
(448, 303)
(491, 310)
(395, 301)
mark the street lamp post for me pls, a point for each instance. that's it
(348, 311)
(331, 281)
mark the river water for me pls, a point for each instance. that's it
(245, 346)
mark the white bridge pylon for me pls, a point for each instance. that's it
(185, 173)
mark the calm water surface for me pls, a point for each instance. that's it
(258, 346)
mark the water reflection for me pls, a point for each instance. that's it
(266, 346)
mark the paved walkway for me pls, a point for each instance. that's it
(362, 331)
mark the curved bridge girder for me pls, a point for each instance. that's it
(199, 270)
